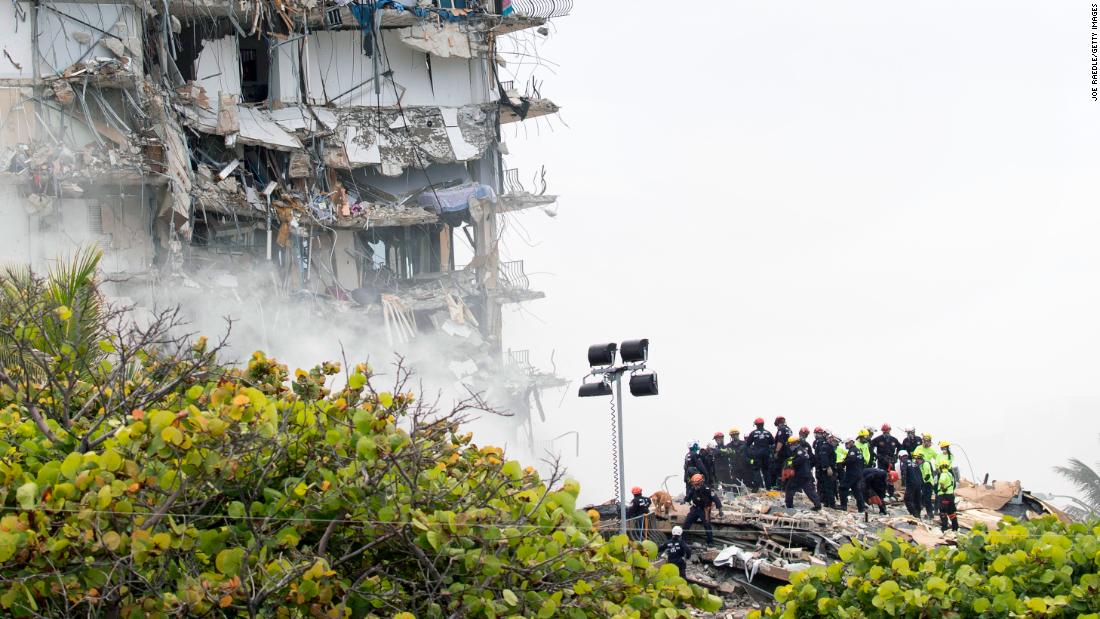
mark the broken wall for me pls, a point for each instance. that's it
(338, 72)
(16, 57)
(218, 68)
(108, 31)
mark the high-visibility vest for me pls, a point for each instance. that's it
(926, 472)
(946, 483)
(841, 453)
(930, 455)
(866, 449)
(949, 459)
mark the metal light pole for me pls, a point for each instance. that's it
(601, 358)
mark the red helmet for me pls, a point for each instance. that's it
(780, 419)
(885, 427)
(719, 435)
(818, 430)
(636, 490)
(758, 421)
(893, 476)
(804, 430)
(697, 478)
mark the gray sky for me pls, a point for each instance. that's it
(845, 212)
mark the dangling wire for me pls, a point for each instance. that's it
(615, 447)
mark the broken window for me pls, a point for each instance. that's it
(393, 253)
(255, 58)
(451, 4)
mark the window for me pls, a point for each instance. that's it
(404, 252)
(452, 4)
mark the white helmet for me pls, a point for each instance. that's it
(910, 429)
(903, 453)
(677, 531)
(712, 445)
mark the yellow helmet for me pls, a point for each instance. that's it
(792, 439)
(926, 436)
(864, 432)
(734, 431)
(945, 465)
(944, 444)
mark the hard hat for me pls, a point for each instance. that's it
(719, 435)
(903, 453)
(864, 432)
(893, 476)
(818, 430)
(758, 421)
(926, 436)
(712, 445)
(677, 531)
(636, 490)
(911, 430)
(944, 444)
(697, 478)
(885, 427)
(803, 430)
(792, 439)
(849, 440)
(945, 465)
(780, 419)
(734, 431)
(918, 455)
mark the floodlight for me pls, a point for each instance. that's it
(593, 390)
(634, 351)
(643, 384)
(600, 355)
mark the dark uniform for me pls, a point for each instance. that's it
(802, 463)
(910, 442)
(825, 468)
(780, 453)
(678, 552)
(886, 449)
(638, 507)
(874, 484)
(701, 497)
(693, 464)
(759, 446)
(706, 454)
(852, 481)
(739, 461)
(927, 477)
(910, 476)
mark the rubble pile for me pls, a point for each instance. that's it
(759, 543)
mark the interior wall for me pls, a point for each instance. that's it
(16, 40)
(57, 24)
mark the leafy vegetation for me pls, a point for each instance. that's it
(1038, 568)
(139, 478)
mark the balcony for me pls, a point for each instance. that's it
(516, 197)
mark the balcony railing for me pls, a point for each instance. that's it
(544, 9)
(513, 276)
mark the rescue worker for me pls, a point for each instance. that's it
(677, 550)
(852, 481)
(886, 448)
(723, 462)
(926, 449)
(693, 463)
(927, 477)
(874, 485)
(825, 467)
(803, 440)
(781, 451)
(801, 461)
(911, 479)
(639, 506)
(946, 456)
(759, 449)
(945, 491)
(738, 457)
(911, 441)
(863, 442)
(701, 498)
(707, 456)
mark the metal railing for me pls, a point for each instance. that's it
(544, 9)
(512, 275)
(512, 184)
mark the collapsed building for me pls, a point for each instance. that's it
(759, 544)
(346, 154)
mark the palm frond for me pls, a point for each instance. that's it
(1085, 478)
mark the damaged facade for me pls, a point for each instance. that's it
(345, 153)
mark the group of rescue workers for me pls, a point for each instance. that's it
(865, 466)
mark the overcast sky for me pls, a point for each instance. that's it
(844, 212)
